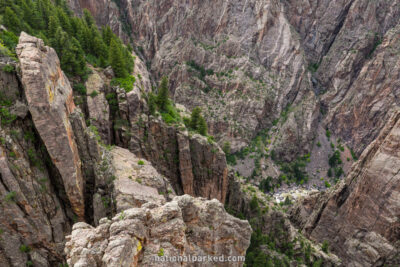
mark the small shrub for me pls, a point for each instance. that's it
(141, 162)
(10, 196)
(8, 68)
(160, 252)
(328, 133)
(80, 88)
(6, 117)
(327, 184)
(24, 248)
(126, 83)
(94, 94)
(319, 144)
(325, 246)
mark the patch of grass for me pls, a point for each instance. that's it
(141, 162)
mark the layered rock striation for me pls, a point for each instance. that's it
(360, 217)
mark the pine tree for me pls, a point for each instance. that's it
(202, 127)
(11, 20)
(162, 97)
(54, 24)
(64, 20)
(195, 118)
(116, 60)
(152, 103)
(88, 18)
(107, 35)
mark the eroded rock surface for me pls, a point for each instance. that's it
(184, 226)
(360, 217)
(50, 101)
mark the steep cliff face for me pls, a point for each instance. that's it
(248, 61)
(50, 101)
(240, 61)
(359, 217)
(35, 213)
(56, 170)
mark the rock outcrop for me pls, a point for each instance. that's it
(35, 214)
(50, 101)
(136, 237)
(136, 181)
(97, 105)
(360, 217)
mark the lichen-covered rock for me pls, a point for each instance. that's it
(50, 101)
(185, 226)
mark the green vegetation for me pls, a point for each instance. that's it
(335, 163)
(325, 246)
(163, 104)
(76, 40)
(6, 117)
(94, 93)
(160, 252)
(141, 162)
(8, 68)
(328, 133)
(295, 170)
(24, 248)
(197, 122)
(10, 196)
(266, 185)
(163, 101)
(125, 82)
(313, 67)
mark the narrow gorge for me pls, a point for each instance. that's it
(133, 132)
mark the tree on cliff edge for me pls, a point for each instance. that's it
(162, 97)
(116, 60)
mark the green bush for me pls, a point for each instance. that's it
(6, 117)
(325, 246)
(125, 83)
(141, 162)
(8, 68)
(24, 248)
(80, 88)
(10, 196)
(94, 93)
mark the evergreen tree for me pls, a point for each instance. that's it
(107, 35)
(88, 18)
(163, 92)
(202, 127)
(152, 103)
(116, 60)
(64, 20)
(195, 118)
(54, 24)
(11, 20)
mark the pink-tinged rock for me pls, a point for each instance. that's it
(49, 96)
